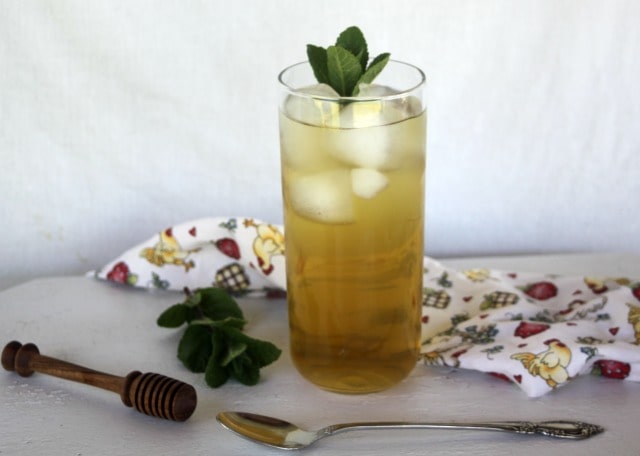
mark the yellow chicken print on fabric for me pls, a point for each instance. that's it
(168, 251)
(477, 274)
(268, 243)
(633, 317)
(550, 365)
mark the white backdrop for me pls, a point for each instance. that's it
(119, 118)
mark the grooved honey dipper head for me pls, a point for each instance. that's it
(158, 395)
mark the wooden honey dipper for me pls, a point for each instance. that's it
(149, 393)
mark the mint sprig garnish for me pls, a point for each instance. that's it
(346, 65)
(213, 341)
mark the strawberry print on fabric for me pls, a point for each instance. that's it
(541, 290)
(229, 247)
(611, 369)
(528, 329)
(120, 274)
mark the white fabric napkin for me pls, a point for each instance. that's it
(538, 331)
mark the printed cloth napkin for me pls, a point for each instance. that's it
(538, 331)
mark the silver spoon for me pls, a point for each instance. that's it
(286, 436)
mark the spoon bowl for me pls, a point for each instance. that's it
(277, 433)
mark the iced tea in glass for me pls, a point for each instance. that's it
(353, 177)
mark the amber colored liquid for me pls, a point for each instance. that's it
(354, 288)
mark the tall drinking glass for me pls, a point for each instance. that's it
(353, 188)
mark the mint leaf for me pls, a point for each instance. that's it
(318, 59)
(380, 59)
(174, 316)
(353, 41)
(344, 70)
(195, 348)
(216, 304)
(230, 322)
(374, 69)
(234, 350)
(244, 356)
(244, 370)
(344, 65)
(215, 374)
(218, 345)
(263, 352)
(213, 341)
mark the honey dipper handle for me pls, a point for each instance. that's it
(26, 359)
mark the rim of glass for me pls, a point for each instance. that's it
(401, 94)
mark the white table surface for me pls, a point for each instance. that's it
(112, 329)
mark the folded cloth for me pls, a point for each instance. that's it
(538, 331)
(242, 255)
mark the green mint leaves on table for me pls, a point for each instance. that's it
(213, 342)
(344, 66)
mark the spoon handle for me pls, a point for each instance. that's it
(561, 429)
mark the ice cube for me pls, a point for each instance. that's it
(367, 142)
(302, 147)
(324, 197)
(411, 106)
(370, 113)
(367, 183)
(374, 90)
(409, 103)
(365, 138)
(393, 109)
(320, 90)
(361, 147)
(374, 112)
(362, 140)
(315, 109)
